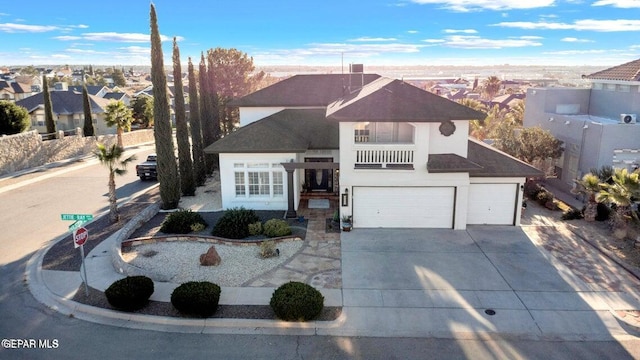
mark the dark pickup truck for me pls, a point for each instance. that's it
(147, 170)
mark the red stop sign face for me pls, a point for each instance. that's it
(80, 236)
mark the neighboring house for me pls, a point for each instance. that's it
(96, 90)
(14, 91)
(506, 102)
(68, 111)
(598, 125)
(395, 155)
(118, 96)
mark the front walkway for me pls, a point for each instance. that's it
(318, 263)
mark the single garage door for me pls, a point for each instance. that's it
(403, 207)
(493, 204)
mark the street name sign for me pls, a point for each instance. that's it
(76, 217)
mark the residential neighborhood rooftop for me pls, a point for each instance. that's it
(627, 72)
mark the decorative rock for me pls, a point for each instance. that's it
(211, 258)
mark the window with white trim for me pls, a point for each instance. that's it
(258, 180)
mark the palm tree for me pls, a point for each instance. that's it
(625, 187)
(120, 116)
(491, 86)
(589, 186)
(110, 157)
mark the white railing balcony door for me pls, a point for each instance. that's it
(384, 156)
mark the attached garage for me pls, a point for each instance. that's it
(493, 204)
(403, 207)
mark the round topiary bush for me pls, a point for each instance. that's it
(296, 301)
(234, 223)
(196, 297)
(182, 222)
(276, 227)
(131, 293)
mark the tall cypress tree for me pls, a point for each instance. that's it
(206, 113)
(187, 182)
(167, 167)
(199, 170)
(48, 107)
(87, 129)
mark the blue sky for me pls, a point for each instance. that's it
(307, 32)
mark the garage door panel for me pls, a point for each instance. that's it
(492, 204)
(427, 207)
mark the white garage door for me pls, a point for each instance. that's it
(403, 207)
(492, 204)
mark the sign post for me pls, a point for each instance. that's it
(80, 237)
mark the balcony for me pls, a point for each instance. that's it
(384, 157)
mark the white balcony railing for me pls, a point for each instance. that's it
(384, 156)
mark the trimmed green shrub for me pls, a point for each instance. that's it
(255, 228)
(182, 222)
(268, 249)
(234, 223)
(131, 293)
(572, 214)
(296, 301)
(198, 298)
(276, 227)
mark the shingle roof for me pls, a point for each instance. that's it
(303, 90)
(114, 95)
(91, 89)
(292, 130)
(394, 100)
(64, 102)
(496, 163)
(448, 163)
(627, 72)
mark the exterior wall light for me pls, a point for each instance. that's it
(345, 197)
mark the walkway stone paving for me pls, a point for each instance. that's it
(318, 263)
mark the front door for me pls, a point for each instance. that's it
(319, 180)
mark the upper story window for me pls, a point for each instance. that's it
(384, 133)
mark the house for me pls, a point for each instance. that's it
(598, 125)
(395, 155)
(14, 91)
(68, 111)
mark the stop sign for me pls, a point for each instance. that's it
(80, 236)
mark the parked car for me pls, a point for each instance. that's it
(148, 169)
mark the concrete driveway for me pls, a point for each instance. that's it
(489, 280)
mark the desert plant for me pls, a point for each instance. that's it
(197, 298)
(336, 216)
(197, 227)
(572, 214)
(255, 228)
(268, 249)
(589, 185)
(296, 301)
(545, 198)
(276, 227)
(182, 222)
(131, 293)
(603, 212)
(234, 223)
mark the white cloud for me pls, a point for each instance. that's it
(465, 31)
(624, 4)
(580, 25)
(67, 38)
(372, 39)
(137, 50)
(576, 52)
(84, 51)
(60, 56)
(497, 5)
(22, 28)
(412, 31)
(433, 41)
(118, 37)
(575, 40)
(477, 42)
